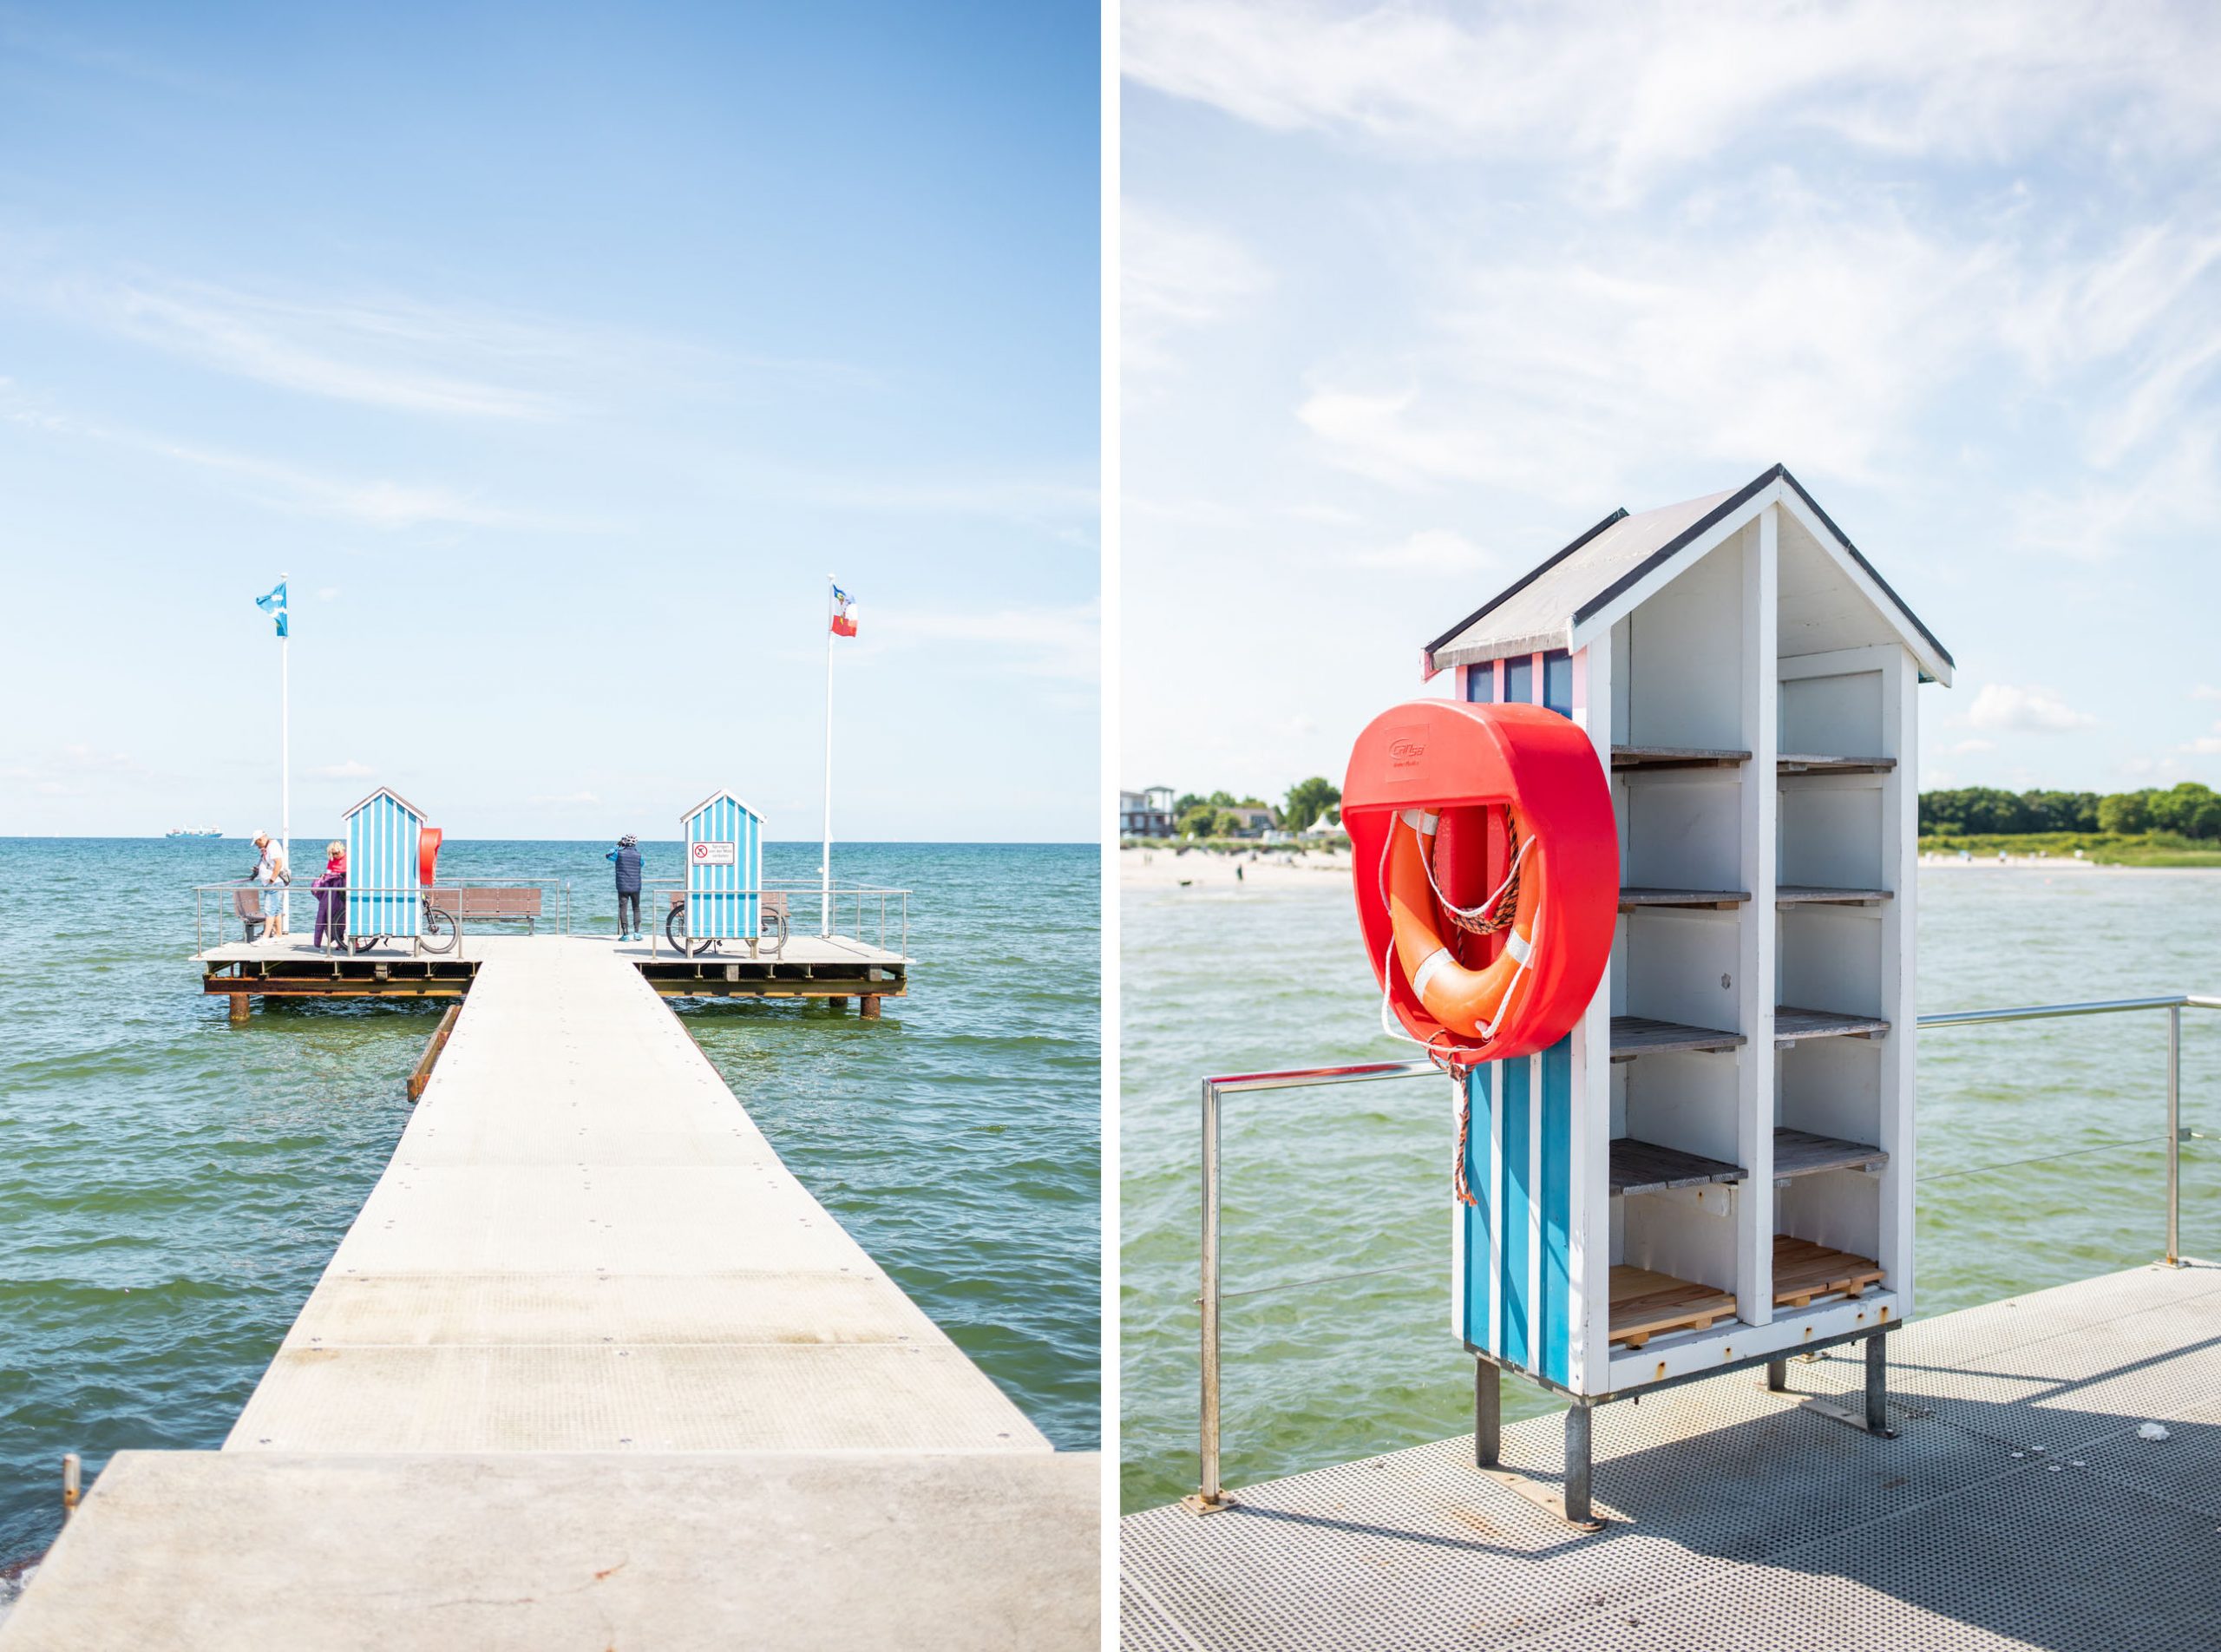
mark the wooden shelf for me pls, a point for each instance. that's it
(1676, 756)
(1789, 895)
(1800, 1153)
(1635, 1035)
(1631, 897)
(1803, 1270)
(1647, 1167)
(1644, 1304)
(1792, 1024)
(1808, 763)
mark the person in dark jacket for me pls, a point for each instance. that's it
(627, 854)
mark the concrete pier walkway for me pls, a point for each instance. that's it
(587, 1326)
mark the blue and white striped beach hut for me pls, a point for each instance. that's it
(724, 869)
(383, 890)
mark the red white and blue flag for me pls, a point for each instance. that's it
(844, 614)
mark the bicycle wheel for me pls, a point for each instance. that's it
(364, 943)
(439, 930)
(674, 927)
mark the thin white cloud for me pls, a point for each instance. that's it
(1430, 551)
(1968, 747)
(558, 799)
(2107, 513)
(1175, 276)
(375, 502)
(1632, 92)
(394, 354)
(2005, 708)
(1550, 373)
(2205, 691)
(348, 771)
(1063, 643)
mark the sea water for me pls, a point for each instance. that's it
(171, 1186)
(1342, 1180)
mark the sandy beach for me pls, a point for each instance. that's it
(1171, 868)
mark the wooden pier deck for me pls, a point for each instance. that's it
(2026, 1502)
(811, 966)
(591, 1368)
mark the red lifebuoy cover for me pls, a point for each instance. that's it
(428, 854)
(1464, 763)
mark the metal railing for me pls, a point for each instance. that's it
(868, 907)
(215, 905)
(1213, 1294)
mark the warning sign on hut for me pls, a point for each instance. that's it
(716, 854)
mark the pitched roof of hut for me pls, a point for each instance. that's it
(387, 791)
(1589, 586)
(722, 791)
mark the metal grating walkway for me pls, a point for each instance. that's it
(2018, 1507)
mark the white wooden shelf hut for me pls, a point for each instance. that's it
(1716, 1166)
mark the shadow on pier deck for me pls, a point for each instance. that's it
(2019, 1506)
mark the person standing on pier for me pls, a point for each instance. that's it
(627, 854)
(272, 874)
(331, 895)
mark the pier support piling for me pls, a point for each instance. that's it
(1487, 1415)
(870, 1006)
(1777, 1376)
(239, 1009)
(838, 1005)
(1579, 1423)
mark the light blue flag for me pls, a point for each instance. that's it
(274, 605)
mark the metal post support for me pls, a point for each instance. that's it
(869, 1006)
(836, 1004)
(1487, 1415)
(1579, 1453)
(239, 1009)
(1211, 1496)
(1777, 1376)
(71, 1469)
(1877, 1385)
(2174, 1134)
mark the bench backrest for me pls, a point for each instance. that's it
(490, 903)
(247, 902)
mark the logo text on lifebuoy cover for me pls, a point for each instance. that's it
(1407, 745)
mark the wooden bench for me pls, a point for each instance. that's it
(772, 920)
(477, 905)
(247, 903)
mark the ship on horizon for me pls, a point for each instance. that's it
(194, 831)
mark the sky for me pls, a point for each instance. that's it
(556, 355)
(1413, 294)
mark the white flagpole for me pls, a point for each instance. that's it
(286, 748)
(825, 856)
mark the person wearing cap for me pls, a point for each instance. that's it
(272, 874)
(626, 856)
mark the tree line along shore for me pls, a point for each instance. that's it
(2178, 825)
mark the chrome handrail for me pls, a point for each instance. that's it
(1212, 1494)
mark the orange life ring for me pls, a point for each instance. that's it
(1422, 776)
(1468, 1002)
